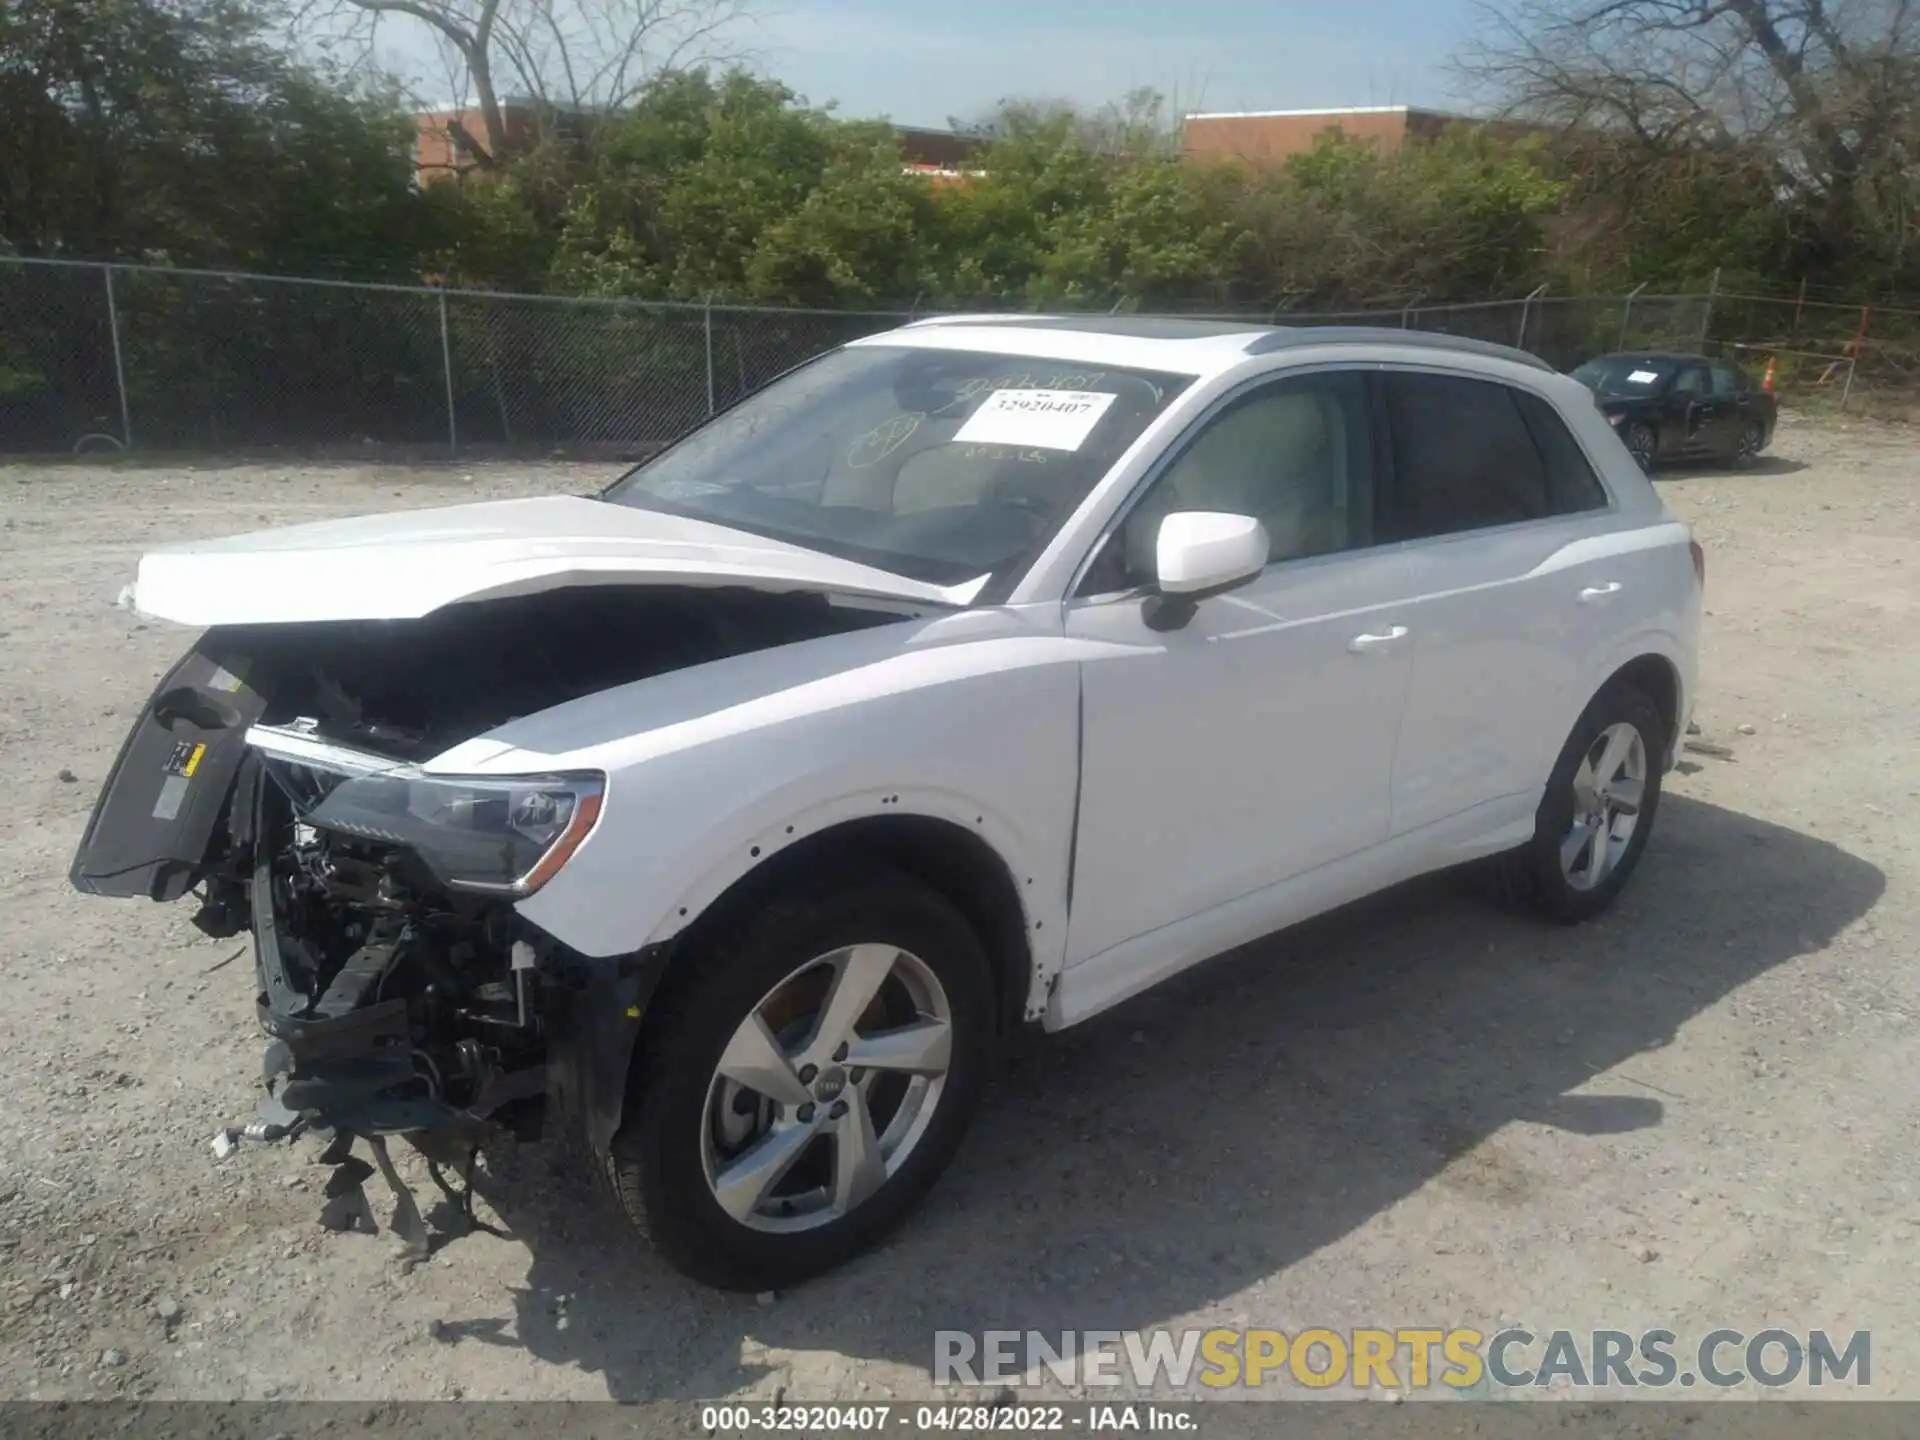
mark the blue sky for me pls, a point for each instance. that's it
(921, 64)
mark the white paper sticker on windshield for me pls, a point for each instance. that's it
(1643, 377)
(1047, 419)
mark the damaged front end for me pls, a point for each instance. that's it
(399, 986)
(280, 773)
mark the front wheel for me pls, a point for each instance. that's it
(807, 1082)
(1595, 814)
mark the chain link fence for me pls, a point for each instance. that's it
(126, 357)
(1562, 330)
(97, 357)
(1827, 354)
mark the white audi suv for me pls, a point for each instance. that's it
(968, 679)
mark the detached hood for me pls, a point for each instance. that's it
(410, 563)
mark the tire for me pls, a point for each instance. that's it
(1747, 447)
(667, 1165)
(1533, 877)
(1642, 444)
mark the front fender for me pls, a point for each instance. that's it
(984, 735)
(730, 852)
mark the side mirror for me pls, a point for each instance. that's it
(1201, 553)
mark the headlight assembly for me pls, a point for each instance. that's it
(504, 836)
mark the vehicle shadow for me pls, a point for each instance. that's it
(1762, 467)
(1188, 1144)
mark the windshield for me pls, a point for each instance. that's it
(940, 465)
(1624, 375)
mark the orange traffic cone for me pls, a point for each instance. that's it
(1766, 380)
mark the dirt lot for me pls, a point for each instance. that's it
(1699, 1112)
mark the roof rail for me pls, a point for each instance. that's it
(1129, 327)
(1298, 336)
(980, 317)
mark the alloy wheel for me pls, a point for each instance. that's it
(826, 1087)
(1607, 792)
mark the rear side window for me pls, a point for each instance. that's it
(1469, 454)
(1571, 484)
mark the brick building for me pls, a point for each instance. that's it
(941, 155)
(936, 150)
(1265, 137)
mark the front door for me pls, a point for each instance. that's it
(1256, 742)
(1698, 417)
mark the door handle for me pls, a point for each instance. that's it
(1373, 644)
(1599, 592)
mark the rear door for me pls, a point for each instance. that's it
(1487, 484)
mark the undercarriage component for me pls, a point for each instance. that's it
(394, 1005)
(346, 1206)
(407, 1223)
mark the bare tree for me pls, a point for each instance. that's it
(571, 56)
(1827, 90)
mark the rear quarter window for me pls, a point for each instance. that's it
(1572, 485)
(1470, 454)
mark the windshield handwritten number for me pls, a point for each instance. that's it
(882, 440)
(1026, 456)
(972, 390)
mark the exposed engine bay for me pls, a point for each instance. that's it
(276, 774)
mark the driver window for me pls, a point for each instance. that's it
(1297, 455)
(1690, 382)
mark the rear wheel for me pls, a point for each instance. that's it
(1595, 815)
(1746, 449)
(807, 1083)
(1642, 444)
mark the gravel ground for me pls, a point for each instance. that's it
(1698, 1112)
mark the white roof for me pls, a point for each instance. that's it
(1202, 354)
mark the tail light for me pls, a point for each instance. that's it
(1699, 562)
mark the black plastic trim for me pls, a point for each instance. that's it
(595, 1015)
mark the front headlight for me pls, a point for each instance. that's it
(504, 836)
(1615, 418)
